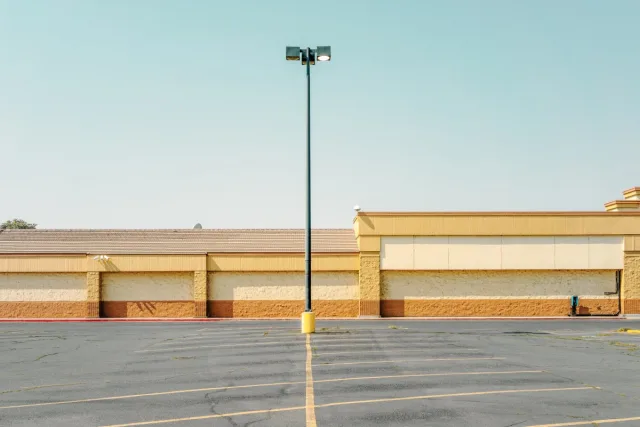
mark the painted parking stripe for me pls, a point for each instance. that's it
(590, 423)
(255, 338)
(283, 342)
(410, 360)
(355, 402)
(161, 393)
(395, 350)
(333, 380)
(196, 347)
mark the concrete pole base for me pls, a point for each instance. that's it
(308, 325)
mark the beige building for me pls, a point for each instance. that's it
(390, 264)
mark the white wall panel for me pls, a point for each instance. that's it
(528, 253)
(502, 253)
(475, 253)
(397, 253)
(606, 252)
(431, 253)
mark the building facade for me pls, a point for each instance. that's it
(390, 264)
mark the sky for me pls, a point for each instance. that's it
(163, 114)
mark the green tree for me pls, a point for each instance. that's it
(16, 223)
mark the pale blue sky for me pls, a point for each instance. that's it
(161, 114)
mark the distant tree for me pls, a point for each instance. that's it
(16, 224)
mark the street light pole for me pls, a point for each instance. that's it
(308, 57)
(307, 231)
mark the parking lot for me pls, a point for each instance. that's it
(350, 373)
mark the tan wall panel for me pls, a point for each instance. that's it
(398, 285)
(498, 224)
(147, 286)
(42, 287)
(281, 286)
(431, 253)
(397, 253)
(475, 253)
(632, 243)
(280, 263)
(606, 252)
(369, 243)
(528, 253)
(140, 263)
(43, 263)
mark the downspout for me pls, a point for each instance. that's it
(616, 292)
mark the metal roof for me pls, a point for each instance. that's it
(174, 241)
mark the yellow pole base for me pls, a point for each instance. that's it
(308, 322)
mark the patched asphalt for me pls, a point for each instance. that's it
(365, 373)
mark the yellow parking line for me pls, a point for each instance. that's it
(410, 360)
(310, 400)
(590, 423)
(208, 417)
(161, 393)
(240, 339)
(199, 390)
(354, 402)
(395, 350)
(196, 347)
(436, 396)
(239, 328)
(293, 340)
(447, 374)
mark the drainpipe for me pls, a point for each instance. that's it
(616, 292)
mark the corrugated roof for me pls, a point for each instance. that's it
(174, 241)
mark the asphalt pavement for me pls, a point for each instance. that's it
(350, 373)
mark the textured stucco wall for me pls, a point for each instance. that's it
(369, 284)
(631, 283)
(496, 284)
(147, 286)
(281, 286)
(43, 287)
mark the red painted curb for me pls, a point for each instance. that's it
(81, 320)
(395, 319)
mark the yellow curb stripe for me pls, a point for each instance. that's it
(355, 402)
(590, 423)
(199, 390)
(310, 402)
(409, 360)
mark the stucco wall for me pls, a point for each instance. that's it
(42, 287)
(502, 253)
(496, 284)
(281, 286)
(147, 286)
